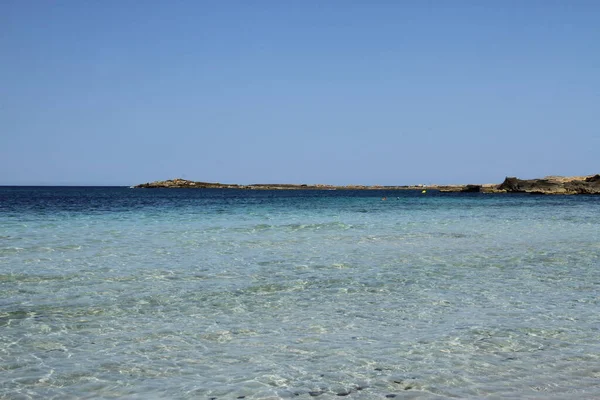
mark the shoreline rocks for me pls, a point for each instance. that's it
(552, 185)
(548, 185)
(179, 183)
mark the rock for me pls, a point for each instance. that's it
(548, 185)
(594, 178)
(552, 185)
(183, 183)
(471, 189)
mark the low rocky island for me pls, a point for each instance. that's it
(183, 183)
(548, 185)
(553, 185)
(179, 183)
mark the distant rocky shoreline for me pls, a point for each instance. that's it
(553, 185)
(183, 184)
(548, 185)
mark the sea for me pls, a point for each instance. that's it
(113, 292)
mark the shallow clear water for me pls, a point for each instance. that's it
(122, 293)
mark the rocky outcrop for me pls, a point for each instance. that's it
(184, 183)
(552, 185)
(179, 183)
(471, 189)
(547, 185)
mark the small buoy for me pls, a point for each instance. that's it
(424, 191)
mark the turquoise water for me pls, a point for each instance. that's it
(123, 293)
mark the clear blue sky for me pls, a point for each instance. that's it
(365, 92)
